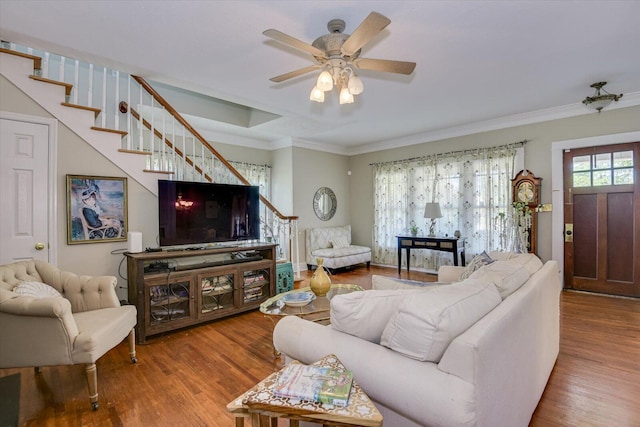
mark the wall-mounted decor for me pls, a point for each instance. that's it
(325, 203)
(96, 209)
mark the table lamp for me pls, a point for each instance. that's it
(432, 210)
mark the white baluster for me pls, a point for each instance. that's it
(76, 81)
(104, 97)
(116, 102)
(90, 88)
(45, 66)
(139, 123)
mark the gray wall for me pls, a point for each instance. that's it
(537, 159)
(312, 170)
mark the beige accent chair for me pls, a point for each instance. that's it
(78, 328)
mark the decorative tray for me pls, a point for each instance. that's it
(298, 299)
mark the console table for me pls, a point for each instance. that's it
(445, 244)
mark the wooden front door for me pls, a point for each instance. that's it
(602, 219)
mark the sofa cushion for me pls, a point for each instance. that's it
(476, 263)
(366, 314)
(507, 276)
(426, 323)
(36, 290)
(340, 252)
(389, 283)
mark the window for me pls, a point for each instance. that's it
(472, 187)
(613, 168)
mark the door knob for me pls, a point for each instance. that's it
(39, 246)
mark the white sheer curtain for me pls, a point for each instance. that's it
(472, 187)
(259, 175)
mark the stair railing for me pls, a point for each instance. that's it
(156, 130)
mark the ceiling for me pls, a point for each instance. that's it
(481, 65)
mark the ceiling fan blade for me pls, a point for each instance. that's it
(294, 42)
(387, 65)
(295, 73)
(368, 29)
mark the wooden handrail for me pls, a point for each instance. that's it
(204, 142)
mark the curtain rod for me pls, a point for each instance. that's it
(249, 164)
(449, 153)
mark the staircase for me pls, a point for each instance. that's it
(134, 127)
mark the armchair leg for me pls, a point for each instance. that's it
(132, 346)
(92, 381)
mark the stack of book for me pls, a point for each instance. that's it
(314, 383)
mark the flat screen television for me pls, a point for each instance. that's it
(193, 213)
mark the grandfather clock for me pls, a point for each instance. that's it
(526, 190)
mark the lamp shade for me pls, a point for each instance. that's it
(316, 95)
(345, 96)
(432, 210)
(355, 85)
(325, 81)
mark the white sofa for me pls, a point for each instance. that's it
(333, 245)
(491, 374)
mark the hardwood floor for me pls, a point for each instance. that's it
(186, 378)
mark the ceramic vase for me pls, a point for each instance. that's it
(320, 282)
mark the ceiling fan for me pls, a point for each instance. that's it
(338, 53)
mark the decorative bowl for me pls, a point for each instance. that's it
(298, 299)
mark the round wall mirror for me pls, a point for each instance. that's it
(325, 203)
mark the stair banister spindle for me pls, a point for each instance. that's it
(45, 66)
(152, 139)
(90, 91)
(183, 164)
(164, 146)
(116, 117)
(140, 129)
(76, 81)
(129, 137)
(104, 97)
(61, 70)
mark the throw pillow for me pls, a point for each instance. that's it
(340, 242)
(507, 276)
(36, 290)
(366, 314)
(427, 322)
(478, 261)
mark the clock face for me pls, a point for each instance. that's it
(525, 192)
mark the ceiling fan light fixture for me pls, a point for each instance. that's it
(325, 81)
(599, 100)
(356, 87)
(345, 96)
(317, 95)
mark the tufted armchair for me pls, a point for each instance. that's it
(80, 327)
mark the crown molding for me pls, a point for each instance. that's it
(555, 113)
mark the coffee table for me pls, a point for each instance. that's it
(316, 311)
(260, 403)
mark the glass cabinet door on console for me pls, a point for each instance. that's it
(169, 301)
(215, 293)
(255, 285)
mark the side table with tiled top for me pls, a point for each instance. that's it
(260, 401)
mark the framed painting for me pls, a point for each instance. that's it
(96, 209)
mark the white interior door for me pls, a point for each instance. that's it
(24, 186)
